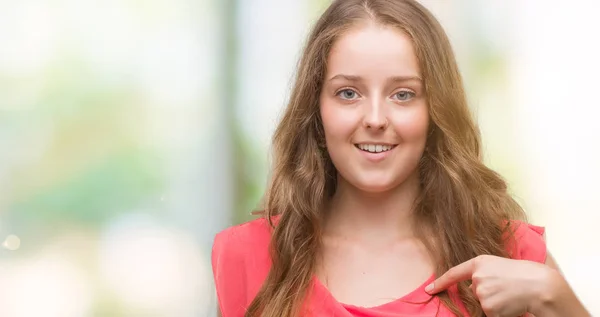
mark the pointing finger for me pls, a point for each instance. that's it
(459, 273)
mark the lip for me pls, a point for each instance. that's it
(376, 143)
(376, 157)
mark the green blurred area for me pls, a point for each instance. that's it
(91, 165)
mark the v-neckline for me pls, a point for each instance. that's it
(418, 295)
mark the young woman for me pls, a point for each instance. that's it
(379, 203)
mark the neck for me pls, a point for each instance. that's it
(373, 216)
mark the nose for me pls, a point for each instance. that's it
(375, 117)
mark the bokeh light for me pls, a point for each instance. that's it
(12, 243)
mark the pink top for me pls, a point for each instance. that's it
(240, 260)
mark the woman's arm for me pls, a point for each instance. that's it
(558, 299)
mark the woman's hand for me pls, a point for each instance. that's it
(505, 287)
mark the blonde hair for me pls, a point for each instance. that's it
(463, 209)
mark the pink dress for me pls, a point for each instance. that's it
(240, 260)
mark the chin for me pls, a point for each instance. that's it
(377, 183)
(376, 186)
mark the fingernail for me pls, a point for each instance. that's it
(429, 288)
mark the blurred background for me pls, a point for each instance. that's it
(133, 131)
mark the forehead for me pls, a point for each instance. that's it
(373, 49)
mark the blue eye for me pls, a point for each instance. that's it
(347, 94)
(404, 95)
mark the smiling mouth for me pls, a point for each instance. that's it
(375, 148)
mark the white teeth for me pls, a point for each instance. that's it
(374, 148)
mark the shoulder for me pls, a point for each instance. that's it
(240, 262)
(526, 242)
(238, 238)
(233, 246)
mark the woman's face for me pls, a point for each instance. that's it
(373, 108)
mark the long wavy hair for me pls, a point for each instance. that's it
(463, 210)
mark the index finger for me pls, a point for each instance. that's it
(459, 273)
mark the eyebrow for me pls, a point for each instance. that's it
(391, 79)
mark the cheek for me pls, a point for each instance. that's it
(338, 123)
(412, 125)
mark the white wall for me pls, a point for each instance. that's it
(554, 66)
